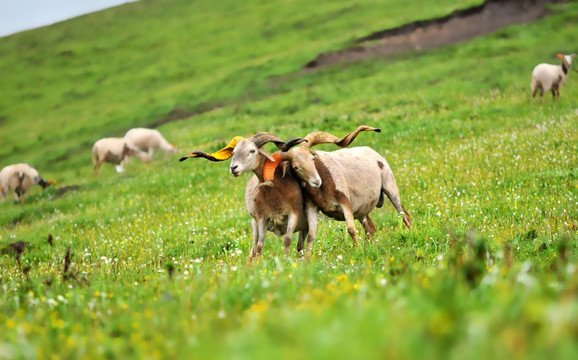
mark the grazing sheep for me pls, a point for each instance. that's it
(115, 151)
(20, 178)
(547, 77)
(149, 140)
(346, 184)
(277, 208)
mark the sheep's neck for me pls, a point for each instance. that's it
(259, 170)
(564, 68)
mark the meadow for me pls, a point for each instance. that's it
(153, 262)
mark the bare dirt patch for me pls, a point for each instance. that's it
(63, 190)
(459, 26)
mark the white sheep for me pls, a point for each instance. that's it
(20, 178)
(346, 184)
(280, 207)
(547, 77)
(149, 140)
(115, 151)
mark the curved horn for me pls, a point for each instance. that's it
(321, 137)
(223, 154)
(261, 139)
(348, 139)
(289, 144)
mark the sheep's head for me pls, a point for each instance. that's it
(247, 154)
(567, 59)
(302, 158)
(46, 184)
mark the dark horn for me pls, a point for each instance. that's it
(223, 154)
(261, 139)
(289, 144)
(201, 154)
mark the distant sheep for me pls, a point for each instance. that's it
(547, 77)
(20, 178)
(149, 140)
(116, 151)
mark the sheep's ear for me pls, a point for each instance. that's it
(285, 165)
(561, 56)
(266, 154)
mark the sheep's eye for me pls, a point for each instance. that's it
(252, 151)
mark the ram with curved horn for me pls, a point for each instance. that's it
(346, 184)
(280, 205)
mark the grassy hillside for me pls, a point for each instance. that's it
(103, 73)
(158, 264)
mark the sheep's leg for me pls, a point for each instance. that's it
(98, 166)
(255, 237)
(542, 94)
(389, 187)
(301, 241)
(395, 200)
(120, 167)
(261, 229)
(291, 224)
(312, 218)
(368, 226)
(350, 221)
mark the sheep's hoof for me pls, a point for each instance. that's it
(119, 169)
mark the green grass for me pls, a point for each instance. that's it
(159, 254)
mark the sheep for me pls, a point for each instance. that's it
(115, 151)
(547, 77)
(345, 184)
(20, 178)
(149, 140)
(278, 208)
